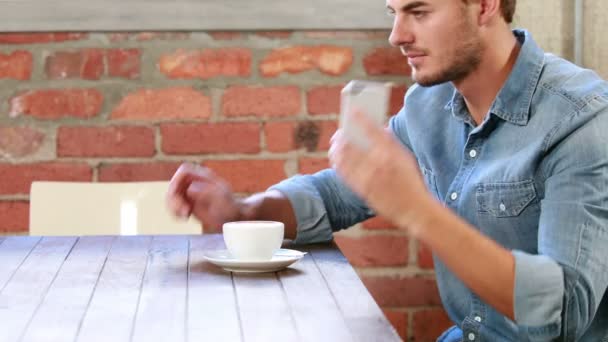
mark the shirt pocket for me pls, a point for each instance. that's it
(508, 212)
(505, 199)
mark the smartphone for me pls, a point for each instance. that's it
(369, 97)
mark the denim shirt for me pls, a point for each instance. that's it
(533, 176)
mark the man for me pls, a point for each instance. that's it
(497, 162)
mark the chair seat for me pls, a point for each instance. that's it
(79, 208)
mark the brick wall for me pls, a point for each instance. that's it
(256, 107)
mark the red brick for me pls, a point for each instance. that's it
(87, 64)
(327, 130)
(137, 172)
(403, 292)
(145, 36)
(307, 134)
(378, 223)
(312, 165)
(115, 37)
(16, 65)
(112, 141)
(375, 250)
(30, 38)
(399, 320)
(386, 61)
(280, 136)
(331, 60)
(207, 63)
(324, 100)
(275, 34)
(287, 136)
(248, 176)
(18, 142)
(396, 101)
(169, 103)
(210, 138)
(14, 216)
(425, 256)
(429, 324)
(348, 34)
(125, 63)
(225, 35)
(17, 178)
(57, 103)
(261, 101)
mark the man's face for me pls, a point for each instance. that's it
(439, 37)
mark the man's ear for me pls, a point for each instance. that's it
(488, 10)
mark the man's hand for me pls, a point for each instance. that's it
(385, 175)
(196, 190)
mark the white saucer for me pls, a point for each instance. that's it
(281, 259)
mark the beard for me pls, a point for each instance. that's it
(460, 59)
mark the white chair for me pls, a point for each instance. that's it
(73, 208)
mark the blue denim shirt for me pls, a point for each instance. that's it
(533, 176)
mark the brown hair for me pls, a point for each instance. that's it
(507, 9)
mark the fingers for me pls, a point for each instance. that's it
(357, 166)
(340, 154)
(199, 192)
(335, 143)
(369, 129)
(337, 134)
(176, 193)
(209, 204)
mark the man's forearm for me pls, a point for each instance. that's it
(272, 206)
(483, 265)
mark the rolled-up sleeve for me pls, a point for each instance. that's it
(309, 209)
(322, 204)
(539, 290)
(559, 290)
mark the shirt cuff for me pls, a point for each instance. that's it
(310, 212)
(539, 293)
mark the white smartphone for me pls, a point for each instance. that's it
(371, 98)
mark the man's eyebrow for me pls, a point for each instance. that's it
(409, 7)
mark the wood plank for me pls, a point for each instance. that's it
(42, 15)
(111, 313)
(61, 312)
(161, 314)
(212, 312)
(22, 295)
(315, 311)
(13, 252)
(362, 314)
(263, 309)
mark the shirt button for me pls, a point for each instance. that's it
(477, 319)
(454, 196)
(471, 337)
(502, 207)
(472, 153)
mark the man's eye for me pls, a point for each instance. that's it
(418, 14)
(390, 13)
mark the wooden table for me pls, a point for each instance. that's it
(142, 288)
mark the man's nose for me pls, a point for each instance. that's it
(401, 33)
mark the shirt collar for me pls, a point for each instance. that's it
(514, 99)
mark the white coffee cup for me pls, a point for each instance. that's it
(253, 240)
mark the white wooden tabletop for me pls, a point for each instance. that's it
(161, 288)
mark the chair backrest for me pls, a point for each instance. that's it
(74, 208)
